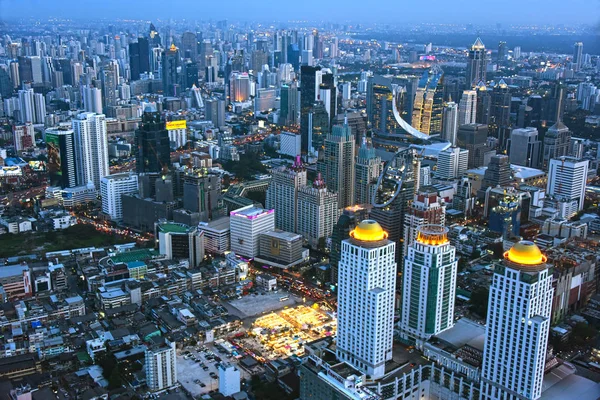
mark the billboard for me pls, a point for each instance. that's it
(54, 164)
(180, 124)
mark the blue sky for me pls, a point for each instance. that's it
(408, 11)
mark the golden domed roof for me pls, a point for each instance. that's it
(369, 231)
(525, 253)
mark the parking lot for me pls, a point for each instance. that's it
(256, 304)
(192, 375)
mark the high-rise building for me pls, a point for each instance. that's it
(366, 292)
(27, 106)
(91, 148)
(426, 208)
(473, 137)
(161, 367)
(429, 102)
(350, 217)
(318, 210)
(525, 148)
(518, 323)
(502, 51)
(557, 138)
(567, 177)
(23, 136)
(215, 111)
(180, 242)
(578, 56)
(484, 104)
(450, 126)
(282, 195)
(109, 86)
(429, 285)
(60, 143)
(467, 108)
(246, 225)
(310, 79)
(152, 144)
(452, 163)
(229, 379)
(92, 99)
(189, 45)
(476, 64)
(288, 113)
(112, 187)
(239, 87)
(517, 53)
(171, 62)
(464, 199)
(499, 120)
(338, 165)
(368, 168)
(317, 122)
(202, 194)
(139, 58)
(498, 173)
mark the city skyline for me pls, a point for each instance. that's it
(544, 12)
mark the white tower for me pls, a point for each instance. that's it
(246, 224)
(429, 285)
(367, 283)
(91, 148)
(450, 123)
(567, 178)
(282, 195)
(467, 108)
(518, 322)
(452, 163)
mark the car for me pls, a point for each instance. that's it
(213, 375)
(202, 384)
(205, 368)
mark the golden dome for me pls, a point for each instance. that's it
(525, 253)
(369, 231)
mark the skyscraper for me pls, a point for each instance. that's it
(498, 172)
(426, 208)
(288, 113)
(189, 45)
(310, 79)
(91, 148)
(499, 121)
(450, 118)
(525, 147)
(476, 64)
(60, 143)
(368, 168)
(239, 87)
(92, 99)
(170, 76)
(139, 58)
(502, 51)
(161, 367)
(567, 177)
(318, 210)
(452, 163)
(152, 145)
(518, 322)
(366, 291)
(112, 187)
(246, 225)
(557, 138)
(467, 108)
(215, 111)
(109, 85)
(473, 137)
(429, 286)
(202, 194)
(282, 195)
(578, 56)
(429, 102)
(338, 165)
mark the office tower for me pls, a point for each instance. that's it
(258, 59)
(429, 285)
(161, 367)
(476, 64)
(380, 111)
(215, 111)
(368, 168)
(498, 173)
(327, 93)
(61, 165)
(264, 100)
(503, 211)
(317, 123)
(464, 199)
(525, 147)
(13, 70)
(557, 138)
(202, 194)
(578, 56)
(499, 121)
(180, 242)
(341, 231)
(112, 187)
(239, 87)
(282, 195)
(229, 379)
(567, 177)
(6, 86)
(317, 212)
(109, 85)
(517, 52)
(27, 106)
(484, 104)
(91, 148)
(25, 70)
(190, 75)
(452, 163)
(467, 108)
(518, 322)
(23, 136)
(206, 51)
(153, 150)
(170, 77)
(310, 79)
(92, 99)
(39, 107)
(502, 51)
(139, 58)
(338, 165)
(429, 102)
(293, 55)
(189, 45)
(366, 292)
(450, 119)
(473, 137)
(426, 208)
(334, 48)
(246, 225)
(288, 113)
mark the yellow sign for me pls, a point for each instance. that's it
(180, 124)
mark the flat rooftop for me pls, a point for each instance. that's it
(250, 212)
(219, 224)
(174, 228)
(288, 236)
(464, 332)
(562, 383)
(12, 270)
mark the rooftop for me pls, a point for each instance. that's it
(250, 212)
(134, 255)
(464, 332)
(171, 227)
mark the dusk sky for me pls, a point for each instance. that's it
(437, 11)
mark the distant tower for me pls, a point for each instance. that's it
(518, 322)
(450, 128)
(366, 292)
(152, 145)
(282, 195)
(429, 285)
(91, 148)
(318, 210)
(467, 108)
(476, 64)
(558, 137)
(578, 56)
(368, 168)
(429, 102)
(338, 165)
(170, 76)
(427, 208)
(452, 163)
(567, 178)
